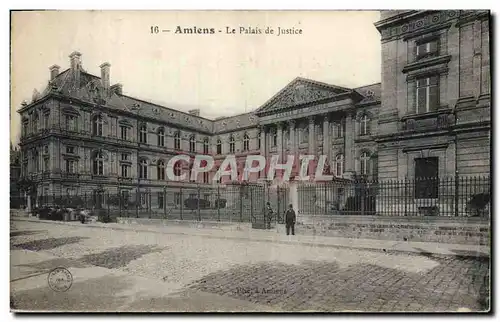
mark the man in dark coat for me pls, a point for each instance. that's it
(268, 215)
(290, 220)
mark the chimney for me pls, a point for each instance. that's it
(117, 88)
(105, 76)
(75, 60)
(54, 71)
(75, 63)
(195, 112)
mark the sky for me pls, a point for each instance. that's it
(221, 74)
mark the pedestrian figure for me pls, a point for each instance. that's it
(290, 220)
(268, 215)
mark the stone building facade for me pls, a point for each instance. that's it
(434, 119)
(429, 117)
(82, 134)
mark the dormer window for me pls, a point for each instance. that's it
(427, 48)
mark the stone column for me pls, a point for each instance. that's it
(312, 135)
(263, 147)
(293, 143)
(326, 136)
(349, 146)
(279, 137)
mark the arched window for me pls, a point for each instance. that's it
(339, 165)
(219, 146)
(177, 168)
(143, 169)
(98, 166)
(231, 144)
(246, 142)
(97, 125)
(364, 125)
(177, 140)
(192, 143)
(143, 134)
(161, 170)
(161, 136)
(364, 163)
(205, 146)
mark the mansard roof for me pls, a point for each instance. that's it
(298, 92)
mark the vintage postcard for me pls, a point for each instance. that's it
(250, 161)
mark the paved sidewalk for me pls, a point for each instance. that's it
(97, 289)
(275, 237)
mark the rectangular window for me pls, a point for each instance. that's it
(70, 122)
(125, 170)
(205, 177)
(46, 124)
(161, 200)
(125, 157)
(70, 149)
(340, 129)
(70, 166)
(427, 98)
(426, 177)
(123, 132)
(427, 49)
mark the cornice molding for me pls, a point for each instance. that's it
(421, 64)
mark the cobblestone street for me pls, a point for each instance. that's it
(270, 276)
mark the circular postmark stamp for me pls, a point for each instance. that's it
(60, 279)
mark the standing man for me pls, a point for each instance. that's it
(268, 215)
(290, 220)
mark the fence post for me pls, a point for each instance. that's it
(137, 201)
(180, 193)
(165, 202)
(457, 187)
(119, 203)
(326, 202)
(107, 203)
(251, 205)
(150, 206)
(198, 203)
(241, 203)
(218, 202)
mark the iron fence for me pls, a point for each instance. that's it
(468, 196)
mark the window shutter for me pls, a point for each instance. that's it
(434, 94)
(433, 47)
(421, 99)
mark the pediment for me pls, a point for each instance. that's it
(301, 91)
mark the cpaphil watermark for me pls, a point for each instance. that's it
(302, 166)
(60, 279)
